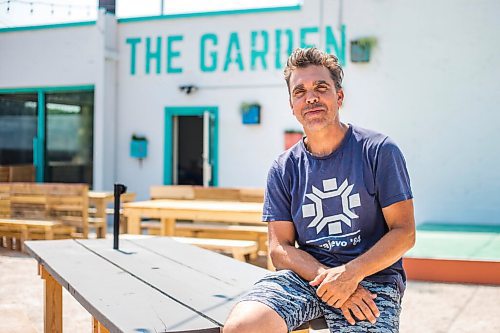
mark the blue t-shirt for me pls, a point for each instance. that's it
(335, 202)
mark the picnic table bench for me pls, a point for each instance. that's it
(170, 210)
(151, 284)
(14, 232)
(98, 210)
(64, 203)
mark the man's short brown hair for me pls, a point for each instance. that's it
(301, 58)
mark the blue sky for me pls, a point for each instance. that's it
(15, 13)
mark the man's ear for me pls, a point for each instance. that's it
(290, 102)
(340, 97)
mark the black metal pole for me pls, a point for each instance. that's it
(119, 189)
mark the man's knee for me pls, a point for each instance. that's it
(254, 317)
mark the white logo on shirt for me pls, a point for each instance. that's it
(331, 190)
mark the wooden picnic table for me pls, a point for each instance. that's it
(152, 284)
(23, 229)
(169, 210)
(100, 200)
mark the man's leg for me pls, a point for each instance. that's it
(279, 302)
(254, 317)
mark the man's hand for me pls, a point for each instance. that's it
(361, 305)
(336, 285)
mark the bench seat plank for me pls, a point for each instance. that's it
(117, 299)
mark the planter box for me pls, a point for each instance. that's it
(360, 52)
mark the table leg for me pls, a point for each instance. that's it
(52, 306)
(238, 255)
(97, 327)
(24, 236)
(49, 232)
(134, 224)
(100, 208)
(167, 226)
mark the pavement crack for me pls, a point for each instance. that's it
(462, 309)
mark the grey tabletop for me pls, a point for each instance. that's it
(149, 285)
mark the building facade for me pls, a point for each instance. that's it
(200, 98)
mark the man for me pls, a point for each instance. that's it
(343, 195)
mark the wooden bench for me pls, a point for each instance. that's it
(237, 248)
(256, 232)
(98, 211)
(190, 192)
(13, 233)
(63, 203)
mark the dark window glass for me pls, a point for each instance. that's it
(18, 128)
(69, 136)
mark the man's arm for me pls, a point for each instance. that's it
(285, 255)
(336, 285)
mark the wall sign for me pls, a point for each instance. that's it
(268, 49)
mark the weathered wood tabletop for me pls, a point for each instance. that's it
(150, 285)
(168, 210)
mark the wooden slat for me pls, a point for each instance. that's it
(28, 223)
(52, 306)
(252, 195)
(4, 174)
(260, 229)
(210, 283)
(237, 248)
(118, 300)
(28, 199)
(188, 192)
(22, 173)
(185, 192)
(216, 193)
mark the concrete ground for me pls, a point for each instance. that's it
(427, 307)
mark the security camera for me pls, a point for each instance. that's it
(188, 89)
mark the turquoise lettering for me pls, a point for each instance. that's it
(212, 66)
(234, 43)
(173, 54)
(153, 55)
(332, 44)
(259, 54)
(279, 55)
(303, 36)
(133, 43)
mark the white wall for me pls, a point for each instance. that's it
(48, 57)
(245, 152)
(431, 85)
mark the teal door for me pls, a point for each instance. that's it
(191, 142)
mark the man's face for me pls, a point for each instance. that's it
(313, 98)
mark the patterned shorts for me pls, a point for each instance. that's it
(296, 302)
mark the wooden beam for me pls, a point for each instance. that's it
(52, 307)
